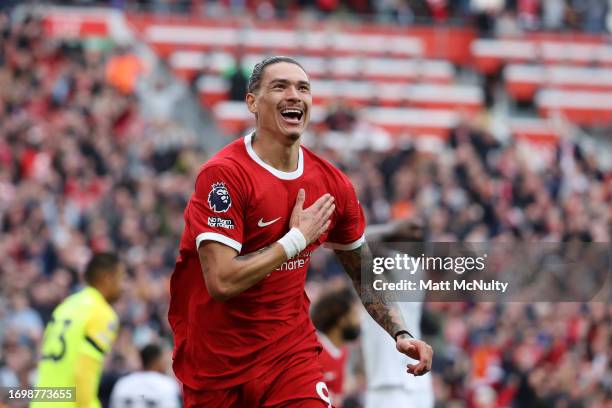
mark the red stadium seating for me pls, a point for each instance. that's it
(539, 131)
(312, 38)
(490, 55)
(421, 122)
(392, 69)
(522, 81)
(78, 23)
(187, 63)
(166, 38)
(576, 53)
(234, 117)
(213, 89)
(580, 107)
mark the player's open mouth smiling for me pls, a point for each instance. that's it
(292, 115)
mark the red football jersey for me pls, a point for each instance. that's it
(333, 363)
(244, 203)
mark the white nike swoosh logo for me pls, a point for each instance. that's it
(261, 222)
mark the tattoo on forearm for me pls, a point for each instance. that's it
(384, 313)
(252, 254)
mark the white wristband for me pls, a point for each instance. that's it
(293, 242)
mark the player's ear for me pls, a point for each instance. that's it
(251, 102)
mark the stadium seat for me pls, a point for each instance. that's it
(490, 55)
(415, 122)
(187, 63)
(233, 117)
(214, 89)
(575, 53)
(580, 107)
(166, 38)
(538, 131)
(371, 67)
(522, 81)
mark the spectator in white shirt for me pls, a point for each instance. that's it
(388, 385)
(149, 388)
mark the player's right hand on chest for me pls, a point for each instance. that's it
(314, 220)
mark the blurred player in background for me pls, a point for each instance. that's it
(385, 386)
(80, 333)
(238, 310)
(151, 387)
(336, 318)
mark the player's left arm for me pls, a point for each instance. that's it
(347, 239)
(386, 314)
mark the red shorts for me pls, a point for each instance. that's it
(296, 382)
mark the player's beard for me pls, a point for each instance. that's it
(351, 332)
(294, 136)
(293, 133)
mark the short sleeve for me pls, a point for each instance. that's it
(100, 333)
(215, 212)
(348, 233)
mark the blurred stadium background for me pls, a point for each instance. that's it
(485, 119)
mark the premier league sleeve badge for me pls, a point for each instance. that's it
(219, 199)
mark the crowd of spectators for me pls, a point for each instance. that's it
(81, 170)
(594, 16)
(476, 189)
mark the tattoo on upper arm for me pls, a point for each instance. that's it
(384, 313)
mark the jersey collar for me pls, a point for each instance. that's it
(283, 175)
(95, 293)
(331, 348)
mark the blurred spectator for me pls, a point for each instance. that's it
(77, 172)
(553, 14)
(609, 17)
(162, 100)
(22, 319)
(327, 6)
(237, 77)
(485, 13)
(348, 135)
(529, 14)
(590, 14)
(340, 117)
(123, 70)
(151, 387)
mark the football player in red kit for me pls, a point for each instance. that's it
(238, 310)
(336, 317)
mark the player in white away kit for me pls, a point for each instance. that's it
(386, 386)
(149, 388)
